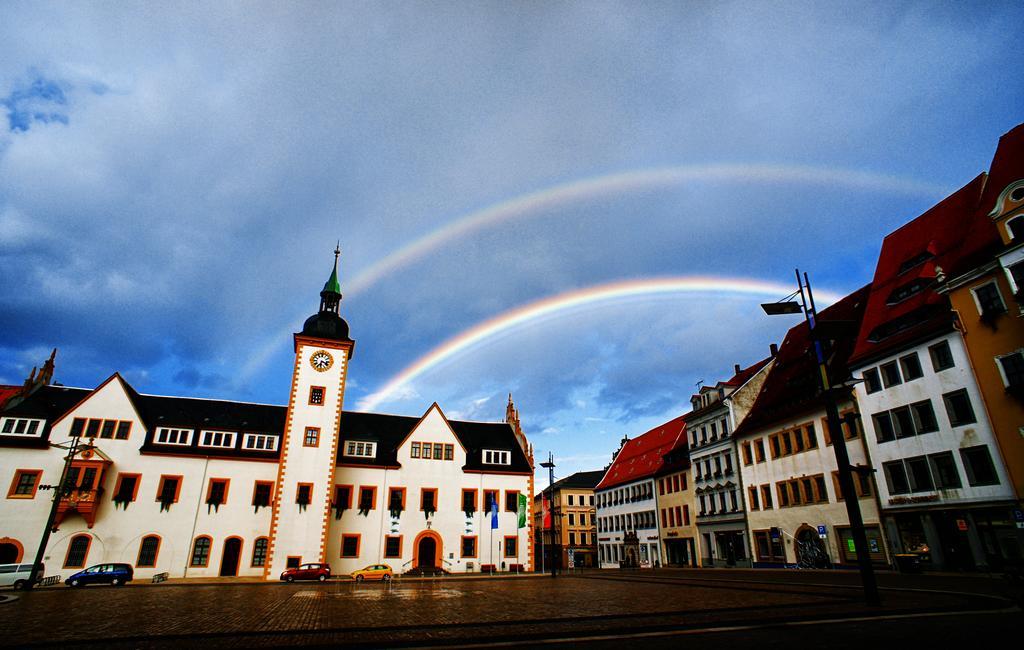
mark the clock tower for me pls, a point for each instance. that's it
(309, 446)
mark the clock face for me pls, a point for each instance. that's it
(321, 360)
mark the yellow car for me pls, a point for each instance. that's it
(374, 572)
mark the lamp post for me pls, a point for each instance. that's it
(550, 465)
(58, 492)
(833, 330)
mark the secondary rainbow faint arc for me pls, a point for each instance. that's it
(525, 314)
(609, 184)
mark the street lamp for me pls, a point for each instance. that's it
(550, 465)
(831, 331)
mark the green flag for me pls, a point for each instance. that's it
(522, 510)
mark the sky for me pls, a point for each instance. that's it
(581, 204)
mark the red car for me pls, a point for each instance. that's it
(310, 571)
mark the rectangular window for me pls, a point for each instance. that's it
(810, 437)
(919, 474)
(766, 497)
(820, 492)
(890, 374)
(77, 426)
(942, 358)
(911, 367)
(126, 489)
(759, 450)
(449, 452)
(438, 450)
(776, 447)
(958, 408)
(367, 498)
(393, 546)
(312, 437)
(572, 539)
(342, 500)
(1012, 368)
(512, 501)
(787, 443)
(661, 488)
(427, 450)
(168, 491)
(164, 435)
(468, 546)
(25, 483)
(902, 422)
(490, 497)
(572, 519)
(360, 449)
(223, 439)
(990, 303)
(217, 492)
(396, 500)
(414, 450)
(752, 498)
(795, 493)
(316, 395)
(872, 384)
(512, 546)
(259, 442)
(884, 430)
(123, 430)
(261, 492)
(944, 470)
(978, 465)
(259, 552)
(664, 518)
(350, 546)
(493, 457)
(924, 417)
(468, 501)
(303, 495)
(108, 429)
(93, 430)
(200, 552)
(428, 499)
(783, 489)
(896, 477)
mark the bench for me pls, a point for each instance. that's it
(488, 568)
(160, 577)
(517, 568)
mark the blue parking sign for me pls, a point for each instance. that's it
(822, 530)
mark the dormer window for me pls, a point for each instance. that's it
(901, 293)
(222, 439)
(21, 427)
(910, 263)
(492, 457)
(259, 442)
(360, 449)
(1015, 228)
(168, 436)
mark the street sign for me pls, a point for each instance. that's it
(775, 533)
(822, 532)
(1018, 516)
(572, 558)
(961, 524)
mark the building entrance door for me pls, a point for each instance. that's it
(810, 552)
(427, 552)
(8, 553)
(229, 560)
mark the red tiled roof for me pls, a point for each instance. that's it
(1007, 167)
(792, 385)
(643, 456)
(945, 236)
(744, 375)
(6, 392)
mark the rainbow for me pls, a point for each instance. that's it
(551, 306)
(555, 196)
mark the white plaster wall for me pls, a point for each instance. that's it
(613, 536)
(932, 386)
(449, 521)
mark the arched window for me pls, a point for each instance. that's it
(148, 550)
(201, 551)
(78, 550)
(259, 552)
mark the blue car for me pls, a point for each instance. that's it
(111, 574)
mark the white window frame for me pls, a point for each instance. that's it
(359, 449)
(227, 439)
(999, 364)
(496, 457)
(999, 294)
(14, 422)
(181, 437)
(259, 442)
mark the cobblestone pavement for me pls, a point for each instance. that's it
(451, 610)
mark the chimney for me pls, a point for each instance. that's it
(774, 350)
(736, 369)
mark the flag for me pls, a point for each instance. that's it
(494, 513)
(522, 510)
(547, 513)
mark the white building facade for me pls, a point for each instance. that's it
(199, 488)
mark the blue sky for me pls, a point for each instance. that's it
(173, 178)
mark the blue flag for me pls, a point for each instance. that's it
(494, 513)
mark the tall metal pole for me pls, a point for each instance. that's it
(58, 491)
(860, 540)
(550, 465)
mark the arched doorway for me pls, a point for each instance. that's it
(230, 557)
(810, 552)
(10, 551)
(427, 550)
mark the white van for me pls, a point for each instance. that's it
(16, 575)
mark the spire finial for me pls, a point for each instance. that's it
(337, 252)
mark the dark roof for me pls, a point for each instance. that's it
(644, 456)
(954, 235)
(1007, 167)
(792, 385)
(326, 325)
(577, 481)
(47, 402)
